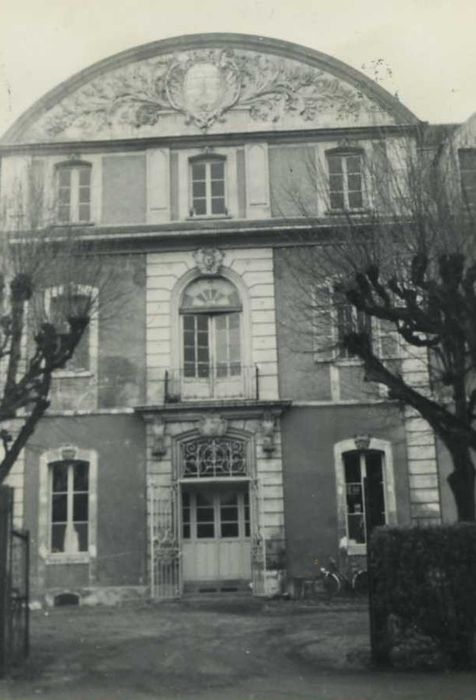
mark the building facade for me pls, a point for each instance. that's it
(194, 442)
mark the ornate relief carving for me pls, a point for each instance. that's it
(208, 260)
(268, 429)
(203, 85)
(212, 425)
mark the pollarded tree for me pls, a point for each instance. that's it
(50, 281)
(400, 251)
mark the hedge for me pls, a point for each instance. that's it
(423, 595)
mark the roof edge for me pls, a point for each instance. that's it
(213, 40)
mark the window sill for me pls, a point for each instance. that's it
(348, 212)
(205, 217)
(357, 549)
(348, 362)
(71, 374)
(60, 558)
(73, 224)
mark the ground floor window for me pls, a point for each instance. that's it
(69, 506)
(365, 489)
(365, 493)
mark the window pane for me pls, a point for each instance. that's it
(82, 532)
(198, 171)
(354, 182)
(218, 188)
(336, 183)
(355, 200)
(60, 477)
(217, 170)
(335, 164)
(188, 322)
(84, 176)
(186, 531)
(57, 538)
(64, 177)
(229, 530)
(337, 200)
(81, 480)
(199, 189)
(59, 509)
(353, 164)
(205, 530)
(352, 467)
(200, 207)
(64, 196)
(356, 528)
(80, 507)
(218, 206)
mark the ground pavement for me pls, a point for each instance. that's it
(216, 649)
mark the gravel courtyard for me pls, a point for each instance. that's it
(229, 648)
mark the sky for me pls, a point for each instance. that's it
(422, 50)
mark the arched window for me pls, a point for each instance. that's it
(211, 313)
(73, 183)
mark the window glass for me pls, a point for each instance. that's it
(365, 492)
(69, 507)
(208, 188)
(345, 181)
(74, 193)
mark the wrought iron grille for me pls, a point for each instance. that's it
(214, 457)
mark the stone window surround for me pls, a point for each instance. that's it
(44, 518)
(349, 445)
(93, 326)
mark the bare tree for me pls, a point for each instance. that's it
(403, 260)
(51, 279)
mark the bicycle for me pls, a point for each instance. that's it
(336, 582)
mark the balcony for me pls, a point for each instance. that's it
(214, 382)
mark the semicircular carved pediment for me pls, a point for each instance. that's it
(204, 88)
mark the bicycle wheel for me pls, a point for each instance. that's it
(360, 582)
(331, 584)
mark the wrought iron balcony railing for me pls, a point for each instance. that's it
(212, 382)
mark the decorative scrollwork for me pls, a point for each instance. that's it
(214, 457)
(203, 85)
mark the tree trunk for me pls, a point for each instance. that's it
(462, 481)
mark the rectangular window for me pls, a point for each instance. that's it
(208, 188)
(365, 500)
(69, 507)
(349, 320)
(212, 345)
(345, 181)
(74, 193)
(467, 164)
(61, 306)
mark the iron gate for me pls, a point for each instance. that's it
(14, 587)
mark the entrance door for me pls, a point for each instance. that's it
(216, 533)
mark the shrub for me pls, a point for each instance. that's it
(423, 595)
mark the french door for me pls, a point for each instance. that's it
(211, 355)
(216, 533)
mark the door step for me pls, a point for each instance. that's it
(195, 587)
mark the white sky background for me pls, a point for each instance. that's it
(429, 45)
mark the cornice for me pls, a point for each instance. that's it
(273, 138)
(232, 409)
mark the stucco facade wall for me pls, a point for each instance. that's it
(117, 558)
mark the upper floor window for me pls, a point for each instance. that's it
(69, 507)
(345, 180)
(81, 301)
(208, 191)
(349, 319)
(211, 314)
(74, 192)
(467, 164)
